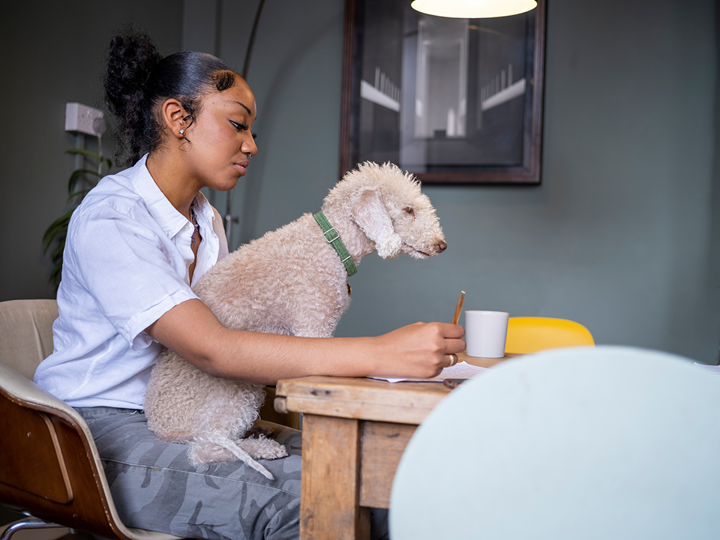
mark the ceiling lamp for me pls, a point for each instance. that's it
(473, 9)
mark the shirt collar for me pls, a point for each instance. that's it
(203, 211)
(161, 209)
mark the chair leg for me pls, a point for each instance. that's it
(27, 523)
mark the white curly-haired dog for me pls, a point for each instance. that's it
(290, 281)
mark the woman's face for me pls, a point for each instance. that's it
(221, 137)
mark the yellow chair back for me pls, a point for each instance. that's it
(531, 334)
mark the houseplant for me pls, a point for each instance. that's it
(82, 180)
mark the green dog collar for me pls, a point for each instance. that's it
(333, 237)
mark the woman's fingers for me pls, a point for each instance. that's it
(453, 359)
(450, 330)
(425, 349)
(448, 336)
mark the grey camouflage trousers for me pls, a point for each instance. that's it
(155, 487)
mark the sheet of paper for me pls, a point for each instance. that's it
(462, 370)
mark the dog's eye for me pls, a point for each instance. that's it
(409, 211)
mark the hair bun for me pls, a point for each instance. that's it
(131, 61)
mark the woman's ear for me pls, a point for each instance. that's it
(173, 116)
(372, 217)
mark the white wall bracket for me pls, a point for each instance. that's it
(84, 119)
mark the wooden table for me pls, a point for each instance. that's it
(354, 433)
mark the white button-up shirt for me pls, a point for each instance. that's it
(126, 263)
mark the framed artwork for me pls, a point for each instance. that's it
(453, 101)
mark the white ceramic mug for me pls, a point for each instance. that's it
(485, 333)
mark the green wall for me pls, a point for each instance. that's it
(620, 236)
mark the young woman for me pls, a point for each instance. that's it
(135, 247)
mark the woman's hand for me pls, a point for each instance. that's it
(420, 350)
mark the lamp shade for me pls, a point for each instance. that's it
(473, 9)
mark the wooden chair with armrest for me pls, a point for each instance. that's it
(51, 469)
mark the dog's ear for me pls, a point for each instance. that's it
(372, 217)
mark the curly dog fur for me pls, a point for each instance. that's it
(290, 281)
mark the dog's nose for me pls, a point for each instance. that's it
(441, 246)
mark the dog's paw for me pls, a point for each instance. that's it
(274, 450)
(263, 448)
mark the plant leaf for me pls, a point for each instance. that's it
(56, 275)
(83, 152)
(56, 227)
(82, 192)
(50, 235)
(77, 174)
(90, 154)
(58, 252)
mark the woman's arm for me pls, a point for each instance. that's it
(192, 330)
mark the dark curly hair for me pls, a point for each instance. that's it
(138, 78)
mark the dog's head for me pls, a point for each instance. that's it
(393, 212)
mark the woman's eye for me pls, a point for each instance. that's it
(242, 127)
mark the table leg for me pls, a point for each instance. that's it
(330, 491)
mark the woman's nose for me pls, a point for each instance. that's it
(250, 148)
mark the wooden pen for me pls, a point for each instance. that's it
(458, 309)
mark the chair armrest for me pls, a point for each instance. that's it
(31, 395)
(53, 420)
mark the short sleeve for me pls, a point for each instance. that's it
(131, 269)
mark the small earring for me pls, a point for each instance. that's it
(182, 132)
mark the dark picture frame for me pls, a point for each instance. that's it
(406, 74)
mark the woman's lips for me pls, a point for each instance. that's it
(241, 167)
